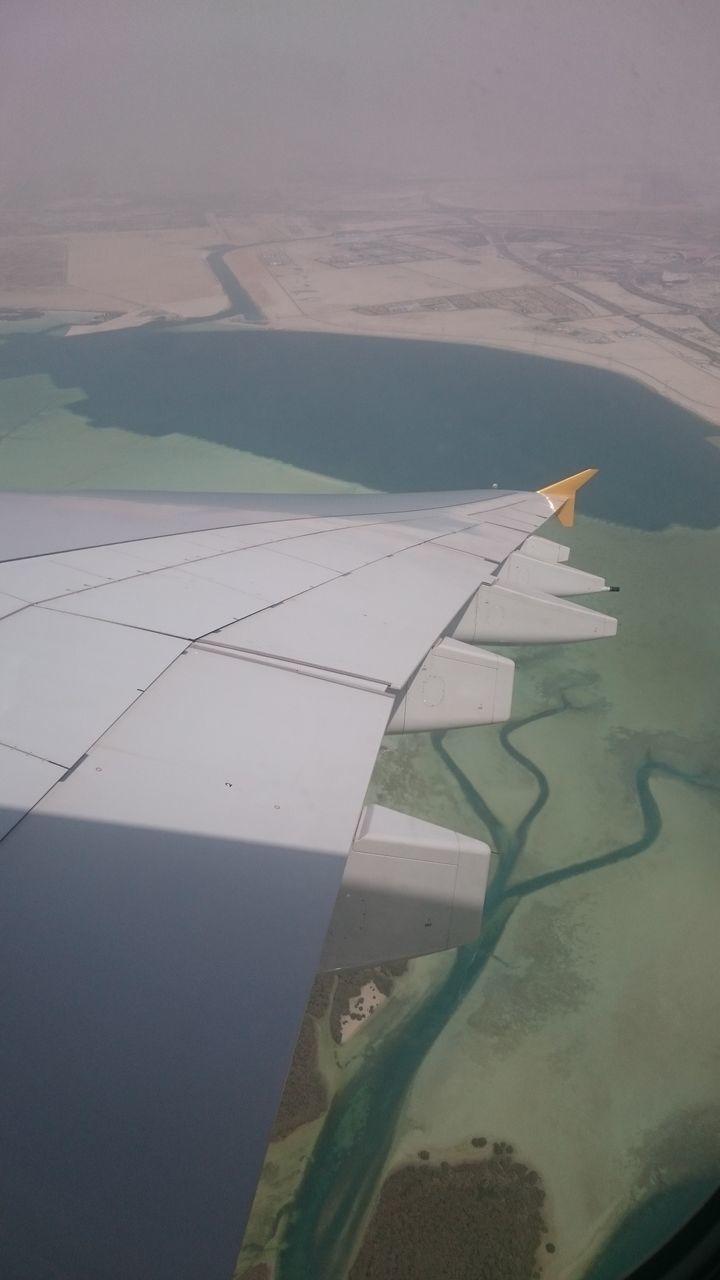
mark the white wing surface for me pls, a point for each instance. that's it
(193, 692)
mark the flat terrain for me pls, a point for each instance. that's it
(636, 291)
(32, 263)
(639, 302)
(155, 274)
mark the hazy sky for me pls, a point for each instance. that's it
(186, 93)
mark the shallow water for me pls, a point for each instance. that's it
(582, 1027)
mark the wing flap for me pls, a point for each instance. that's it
(24, 779)
(64, 680)
(377, 623)
(10, 604)
(162, 916)
(409, 888)
(228, 748)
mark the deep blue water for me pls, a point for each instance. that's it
(396, 415)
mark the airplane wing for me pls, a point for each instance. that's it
(193, 692)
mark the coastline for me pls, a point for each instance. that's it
(563, 352)
(521, 344)
(562, 349)
(465, 283)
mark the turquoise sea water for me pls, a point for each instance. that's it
(601, 795)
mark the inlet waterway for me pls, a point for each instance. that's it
(239, 300)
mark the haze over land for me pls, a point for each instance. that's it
(529, 176)
(118, 95)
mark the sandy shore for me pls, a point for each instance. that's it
(360, 1008)
(390, 281)
(302, 286)
(694, 388)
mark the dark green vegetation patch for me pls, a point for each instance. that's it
(305, 1096)
(479, 1220)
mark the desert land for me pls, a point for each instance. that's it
(633, 290)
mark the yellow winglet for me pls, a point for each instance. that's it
(563, 493)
